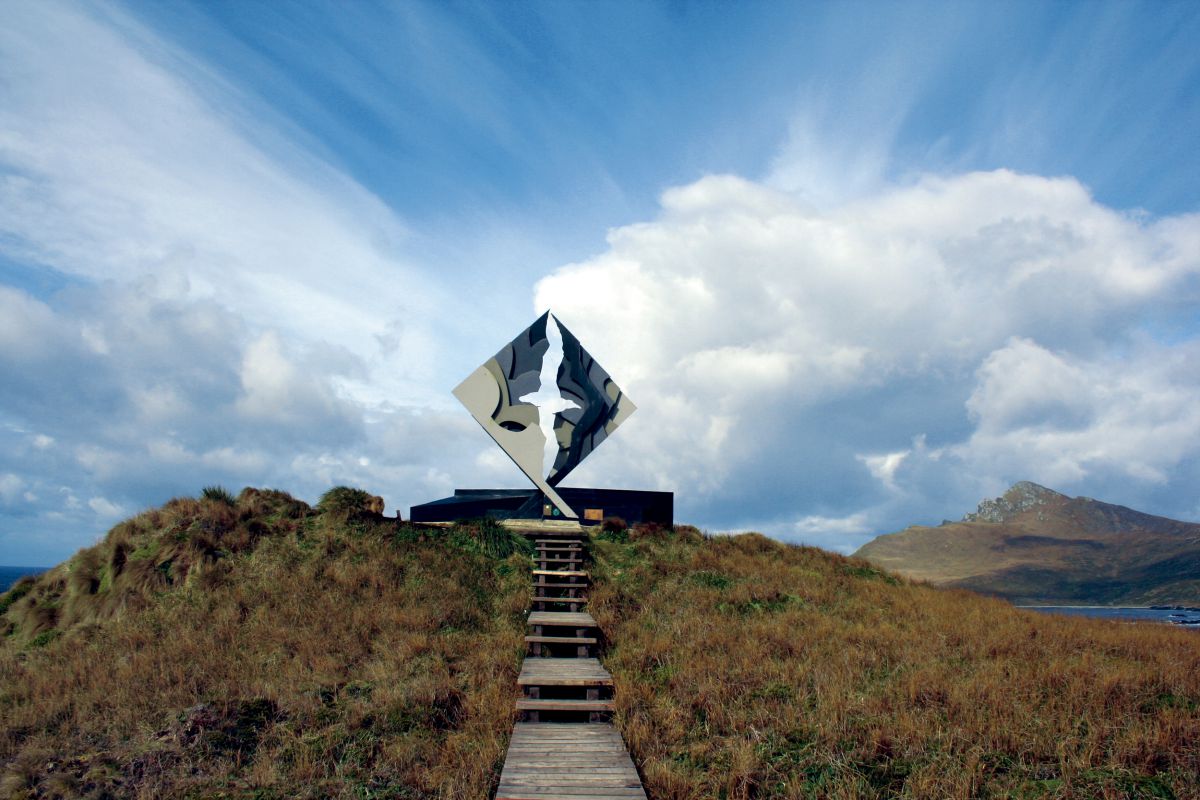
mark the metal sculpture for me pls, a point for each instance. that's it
(544, 398)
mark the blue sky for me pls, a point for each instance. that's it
(858, 264)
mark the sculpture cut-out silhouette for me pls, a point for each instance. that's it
(512, 396)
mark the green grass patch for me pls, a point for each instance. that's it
(44, 638)
(22, 588)
(710, 580)
(767, 604)
(856, 570)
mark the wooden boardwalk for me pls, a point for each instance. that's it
(565, 747)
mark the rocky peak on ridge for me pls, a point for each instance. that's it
(1036, 545)
(1023, 496)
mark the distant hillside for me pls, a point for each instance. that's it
(1035, 545)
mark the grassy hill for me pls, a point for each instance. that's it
(746, 668)
(254, 647)
(1035, 545)
(257, 647)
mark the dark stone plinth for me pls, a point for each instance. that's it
(631, 505)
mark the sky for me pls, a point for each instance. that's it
(859, 265)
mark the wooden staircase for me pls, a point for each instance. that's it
(565, 746)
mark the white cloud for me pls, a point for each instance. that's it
(823, 351)
(833, 533)
(186, 396)
(234, 307)
(883, 467)
(823, 169)
(1068, 418)
(105, 508)
(1001, 317)
(275, 389)
(11, 487)
(120, 157)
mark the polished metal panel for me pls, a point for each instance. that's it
(544, 382)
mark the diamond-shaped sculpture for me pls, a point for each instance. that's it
(544, 387)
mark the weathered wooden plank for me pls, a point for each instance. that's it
(563, 619)
(546, 766)
(571, 774)
(569, 761)
(519, 792)
(563, 672)
(564, 787)
(528, 704)
(589, 738)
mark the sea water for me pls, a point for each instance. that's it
(1126, 614)
(10, 575)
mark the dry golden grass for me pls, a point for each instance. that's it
(749, 669)
(262, 649)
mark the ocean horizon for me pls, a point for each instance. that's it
(1127, 613)
(10, 575)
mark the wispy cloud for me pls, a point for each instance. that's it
(121, 158)
(258, 245)
(240, 311)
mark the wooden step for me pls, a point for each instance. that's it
(561, 573)
(560, 585)
(547, 529)
(579, 761)
(561, 619)
(560, 639)
(556, 560)
(567, 605)
(563, 672)
(573, 600)
(529, 704)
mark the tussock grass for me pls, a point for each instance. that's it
(745, 668)
(262, 648)
(218, 493)
(348, 502)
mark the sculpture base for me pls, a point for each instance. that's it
(592, 505)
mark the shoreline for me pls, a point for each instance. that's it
(1193, 609)
(1139, 608)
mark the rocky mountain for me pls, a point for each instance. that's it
(1036, 545)
(1023, 496)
